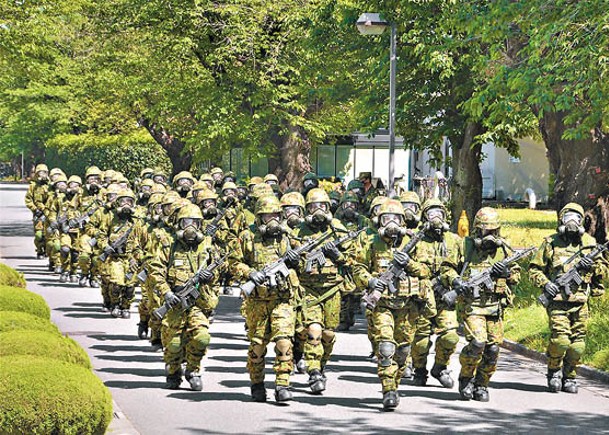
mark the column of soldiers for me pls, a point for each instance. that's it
(307, 262)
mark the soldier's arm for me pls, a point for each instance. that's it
(29, 198)
(239, 253)
(157, 270)
(362, 260)
(451, 264)
(539, 265)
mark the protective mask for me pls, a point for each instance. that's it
(144, 195)
(333, 205)
(571, 229)
(271, 229)
(309, 184)
(294, 220)
(183, 190)
(210, 212)
(190, 235)
(125, 211)
(61, 187)
(392, 231)
(488, 243)
(93, 188)
(319, 218)
(412, 219)
(350, 214)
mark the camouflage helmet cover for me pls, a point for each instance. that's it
(93, 170)
(261, 189)
(391, 206)
(189, 211)
(409, 196)
(292, 199)
(572, 206)
(317, 195)
(268, 204)
(486, 218)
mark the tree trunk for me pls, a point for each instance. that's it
(291, 162)
(466, 189)
(181, 159)
(582, 171)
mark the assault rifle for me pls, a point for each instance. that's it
(83, 219)
(189, 292)
(212, 227)
(571, 278)
(392, 274)
(117, 245)
(278, 267)
(317, 256)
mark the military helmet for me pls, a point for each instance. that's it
(255, 180)
(317, 195)
(170, 197)
(310, 176)
(229, 185)
(216, 170)
(93, 171)
(572, 206)
(376, 202)
(486, 218)
(205, 194)
(147, 182)
(355, 184)
(433, 203)
(270, 177)
(75, 179)
(41, 167)
(410, 196)
(146, 172)
(292, 199)
(113, 189)
(155, 198)
(261, 189)
(391, 206)
(55, 172)
(125, 193)
(158, 172)
(349, 197)
(267, 204)
(158, 188)
(181, 175)
(189, 211)
(206, 177)
(59, 178)
(199, 185)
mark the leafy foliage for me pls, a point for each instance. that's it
(16, 320)
(19, 299)
(10, 277)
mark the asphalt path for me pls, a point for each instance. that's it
(351, 404)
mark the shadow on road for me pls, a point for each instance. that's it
(114, 337)
(519, 386)
(146, 373)
(17, 229)
(132, 385)
(209, 396)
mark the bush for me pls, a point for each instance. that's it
(128, 153)
(17, 321)
(10, 277)
(18, 299)
(44, 396)
(43, 344)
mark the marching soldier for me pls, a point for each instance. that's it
(35, 199)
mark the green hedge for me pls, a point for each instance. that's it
(128, 153)
(16, 321)
(9, 276)
(19, 299)
(46, 396)
(43, 344)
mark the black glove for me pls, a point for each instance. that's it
(171, 299)
(54, 225)
(585, 264)
(292, 257)
(257, 277)
(458, 285)
(500, 270)
(401, 258)
(73, 223)
(551, 289)
(109, 250)
(374, 284)
(38, 213)
(450, 298)
(211, 229)
(331, 251)
(205, 276)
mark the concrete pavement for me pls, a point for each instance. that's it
(352, 402)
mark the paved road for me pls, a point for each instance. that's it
(134, 374)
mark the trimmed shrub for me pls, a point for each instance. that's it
(10, 277)
(44, 396)
(16, 321)
(44, 344)
(18, 299)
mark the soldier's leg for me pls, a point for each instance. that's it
(471, 354)
(387, 367)
(282, 331)
(127, 294)
(343, 324)
(313, 348)
(85, 251)
(39, 239)
(371, 334)
(154, 302)
(65, 256)
(197, 332)
(331, 311)
(422, 311)
(446, 344)
(578, 315)
(560, 333)
(143, 310)
(490, 356)
(257, 319)
(403, 333)
(174, 352)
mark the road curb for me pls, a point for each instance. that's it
(120, 424)
(582, 370)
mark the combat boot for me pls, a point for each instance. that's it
(481, 394)
(83, 281)
(408, 372)
(391, 400)
(194, 379)
(258, 392)
(116, 312)
(57, 270)
(420, 377)
(93, 283)
(142, 330)
(342, 327)
(283, 394)
(301, 366)
(466, 388)
(173, 381)
(442, 375)
(317, 381)
(156, 344)
(125, 314)
(64, 276)
(554, 380)
(74, 278)
(569, 385)
(40, 255)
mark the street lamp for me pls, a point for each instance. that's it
(373, 24)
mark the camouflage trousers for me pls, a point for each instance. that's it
(53, 247)
(317, 350)
(568, 333)
(150, 302)
(478, 358)
(68, 252)
(39, 236)
(445, 326)
(185, 336)
(117, 289)
(87, 258)
(420, 314)
(391, 324)
(349, 305)
(270, 321)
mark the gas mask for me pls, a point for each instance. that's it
(42, 177)
(125, 206)
(391, 226)
(189, 231)
(184, 185)
(374, 217)
(73, 189)
(350, 211)
(218, 179)
(334, 203)
(411, 212)
(144, 193)
(488, 240)
(571, 225)
(435, 217)
(160, 179)
(270, 225)
(293, 215)
(358, 191)
(156, 213)
(208, 208)
(230, 196)
(93, 184)
(110, 198)
(242, 193)
(61, 187)
(319, 214)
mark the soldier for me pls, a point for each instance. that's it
(412, 208)
(160, 177)
(183, 183)
(483, 314)
(558, 253)
(370, 192)
(322, 286)
(186, 332)
(229, 177)
(437, 244)
(357, 188)
(391, 316)
(35, 199)
(335, 198)
(293, 209)
(145, 188)
(235, 217)
(309, 182)
(67, 208)
(208, 180)
(217, 175)
(269, 311)
(56, 211)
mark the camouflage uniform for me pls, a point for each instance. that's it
(52, 234)
(35, 199)
(567, 315)
(185, 332)
(269, 311)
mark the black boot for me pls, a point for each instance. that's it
(142, 330)
(443, 375)
(466, 388)
(173, 381)
(317, 381)
(420, 377)
(554, 380)
(283, 394)
(481, 394)
(258, 392)
(194, 379)
(391, 400)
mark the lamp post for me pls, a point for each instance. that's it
(373, 24)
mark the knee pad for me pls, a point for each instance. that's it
(283, 349)
(449, 337)
(201, 339)
(174, 346)
(576, 349)
(476, 347)
(314, 332)
(38, 236)
(64, 250)
(401, 354)
(561, 342)
(74, 257)
(328, 336)
(257, 352)
(386, 351)
(491, 353)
